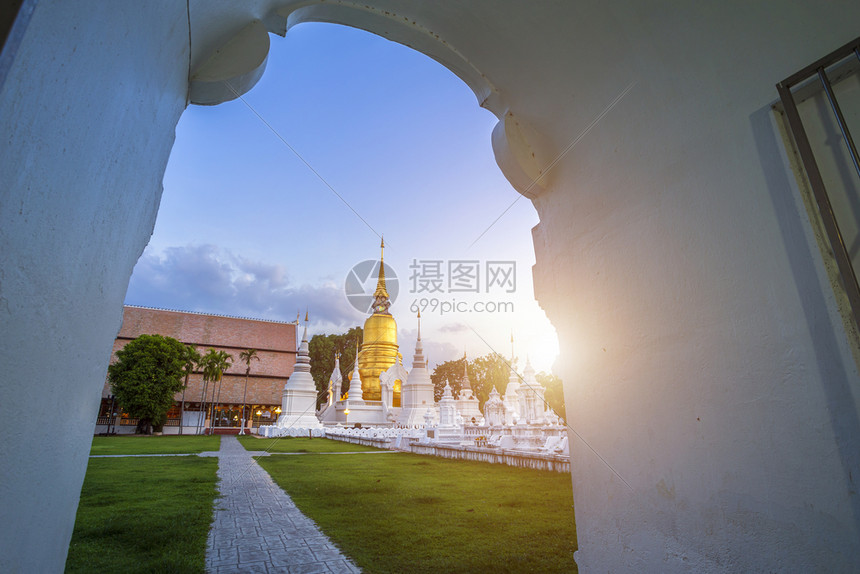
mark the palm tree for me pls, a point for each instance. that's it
(204, 365)
(246, 357)
(215, 363)
(191, 356)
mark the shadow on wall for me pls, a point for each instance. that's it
(835, 374)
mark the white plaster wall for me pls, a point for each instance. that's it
(704, 361)
(703, 356)
(88, 113)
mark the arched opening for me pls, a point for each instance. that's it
(347, 137)
(107, 129)
(671, 252)
(416, 166)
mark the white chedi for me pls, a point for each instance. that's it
(447, 408)
(299, 400)
(416, 396)
(450, 427)
(511, 398)
(328, 413)
(467, 403)
(335, 381)
(531, 398)
(494, 409)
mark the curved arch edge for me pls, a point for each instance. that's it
(523, 155)
(403, 30)
(233, 69)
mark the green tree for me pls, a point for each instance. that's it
(214, 364)
(205, 387)
(191, 358)
(146, 376)
(554, 394)
(322, 349)
(246, 357)
(451, 372)
(484, 373)
(491, 370)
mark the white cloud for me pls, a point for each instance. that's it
(209, 279)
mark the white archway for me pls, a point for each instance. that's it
(714, 374)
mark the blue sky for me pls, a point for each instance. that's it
(246, 228)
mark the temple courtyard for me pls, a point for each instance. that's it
(226, 504)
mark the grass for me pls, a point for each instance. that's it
(411, 513)
(144, 515)
(295, 444)
(142, 444)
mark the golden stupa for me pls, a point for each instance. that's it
(379, 349)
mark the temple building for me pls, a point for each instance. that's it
(220, 410)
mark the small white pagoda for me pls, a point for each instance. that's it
(299, 400)
(467, 403)
(417, 390)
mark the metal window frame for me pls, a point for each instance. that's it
(14, 20)
(819, 69)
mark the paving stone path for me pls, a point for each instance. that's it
(257, 528)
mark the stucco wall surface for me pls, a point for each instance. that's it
(703, 356)
(87, 117)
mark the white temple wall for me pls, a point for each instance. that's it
(703, 355)
(88, 115)
(519, 459)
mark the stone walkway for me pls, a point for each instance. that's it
(257, 528)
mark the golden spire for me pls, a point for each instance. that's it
(381, 291)
(379, 349)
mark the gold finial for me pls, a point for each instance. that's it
(381, 290)
(306, 315)
(419, 324)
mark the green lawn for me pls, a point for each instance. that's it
(295, 444)
(144, 515)
(411, 513)
(142, 444)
